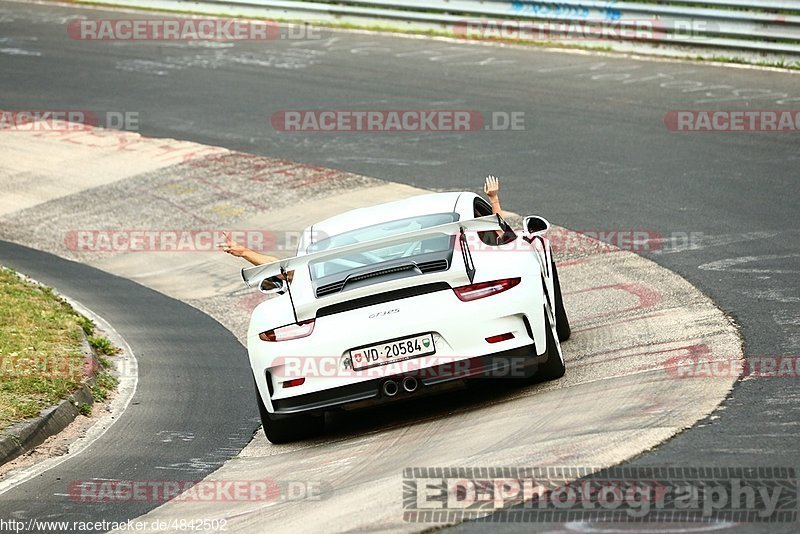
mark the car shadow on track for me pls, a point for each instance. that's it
(475, 395)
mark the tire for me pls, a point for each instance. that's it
(554, 368)
(562, 321)
(287, 428)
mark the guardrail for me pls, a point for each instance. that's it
(762, 27)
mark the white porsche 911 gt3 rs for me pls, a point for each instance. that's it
(398, 300)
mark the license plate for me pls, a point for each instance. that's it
(392, 351)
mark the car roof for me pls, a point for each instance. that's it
(389, 211)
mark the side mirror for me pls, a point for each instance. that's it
(273, 284)
(535, 225)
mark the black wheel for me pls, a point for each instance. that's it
(554, 367)
(286, 428)
(562, 321)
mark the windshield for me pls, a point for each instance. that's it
(380, 254)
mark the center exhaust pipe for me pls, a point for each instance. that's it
(410, 384)
(390, 388)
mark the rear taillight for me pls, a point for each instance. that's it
(484, 289)
(290, 331)
(294, 382)
(500, 337)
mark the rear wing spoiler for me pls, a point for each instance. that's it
(253, 276)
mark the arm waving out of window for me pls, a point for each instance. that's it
(491, 188)
(240, 251)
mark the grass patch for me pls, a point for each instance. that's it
(104, 383)
(103, 346)
(85, 409)
(41, 360)
(86, 324)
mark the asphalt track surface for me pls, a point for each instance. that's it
(594, 155)
(178, 425)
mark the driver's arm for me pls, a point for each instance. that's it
(491, 188)
(240, 251)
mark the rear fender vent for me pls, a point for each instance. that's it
(330, 288)
(434, 266)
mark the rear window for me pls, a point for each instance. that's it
(380, 254)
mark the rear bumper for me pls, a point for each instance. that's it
(521, 362)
